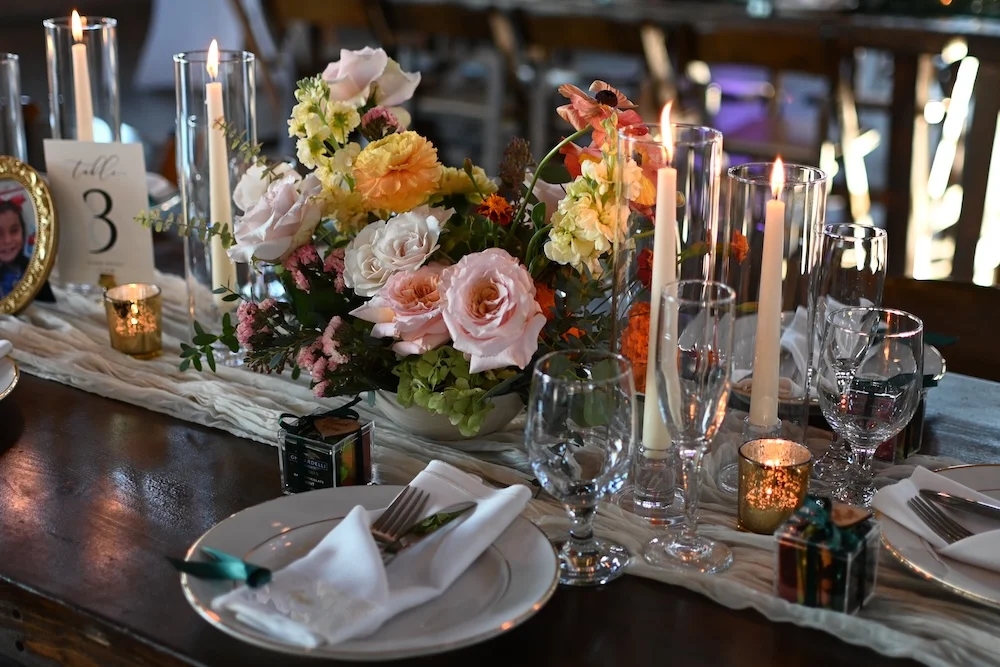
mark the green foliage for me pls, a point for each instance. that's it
(198, 227)
(440, 382)
(203, 351)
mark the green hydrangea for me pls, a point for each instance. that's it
(440, 382)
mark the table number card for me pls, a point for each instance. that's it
(98, 191)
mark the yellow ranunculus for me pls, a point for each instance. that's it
(397, 172)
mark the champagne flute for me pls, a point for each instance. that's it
(851, 272)
(869, 379)
(694, 344)
(579, 434)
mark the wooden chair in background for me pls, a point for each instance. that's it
(968, 313)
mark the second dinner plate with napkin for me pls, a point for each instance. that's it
(331, 596)
(969, 567)
(9, 373)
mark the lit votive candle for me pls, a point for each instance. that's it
(774, 478)
(134, 313)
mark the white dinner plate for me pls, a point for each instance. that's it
(9, 375)
(511, 581)
(915, 553)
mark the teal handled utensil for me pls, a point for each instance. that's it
(222, 566)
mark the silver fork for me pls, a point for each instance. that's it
(404, 511)
(943, 525)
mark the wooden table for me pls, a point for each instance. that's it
(94, 493)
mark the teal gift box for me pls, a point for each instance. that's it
(827, 556)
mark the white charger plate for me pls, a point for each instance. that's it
(504, 587)
(915, 553)
(9, 375)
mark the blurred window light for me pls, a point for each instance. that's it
(934, 112)
(713, 99)
(954, 51)
(987, 256)
(951, 131)
(699, 72)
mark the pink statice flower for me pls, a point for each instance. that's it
(334, 263)
(299, 262)
(320, 389)
(246, 316)
(308, 356)
(331, 346)
(378, 123)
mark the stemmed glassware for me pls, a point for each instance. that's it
(869, 379)
(851, 272)
(579, 434)
(693, 376)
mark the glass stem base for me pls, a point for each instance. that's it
(681, 549)
(591, 563)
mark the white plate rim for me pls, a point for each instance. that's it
(331, 653)
(930, 576)
(4, 393)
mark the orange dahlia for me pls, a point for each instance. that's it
(635, 342)
(497, 210)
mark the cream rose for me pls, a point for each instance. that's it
(363, 272)
(490, 310)
(408, 307)
(280, 221)
(409, 239)
(369, 72)
(253, 184)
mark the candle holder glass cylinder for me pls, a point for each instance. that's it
(83, 79)
(774, 479)
(804, 197)
(12, 141)
(206, 268)
(134, 314)
(694, 155)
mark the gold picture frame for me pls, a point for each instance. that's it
(22, 275)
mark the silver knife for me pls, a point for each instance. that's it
(964, 504)
(427, 527)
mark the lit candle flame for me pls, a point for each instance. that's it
(213, 59)
(777, 178)
(666, 130)
(77, 24)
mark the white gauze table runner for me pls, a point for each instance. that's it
(909, 617)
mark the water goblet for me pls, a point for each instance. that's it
(694, 344)
(851, 272)
(869, 378)
(579, 434)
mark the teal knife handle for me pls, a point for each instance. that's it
(223, 567)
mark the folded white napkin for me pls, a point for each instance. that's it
(6, 347)
(982, 549)
(341, 590)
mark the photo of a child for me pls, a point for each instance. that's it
(17, 237)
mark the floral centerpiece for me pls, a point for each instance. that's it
(404, 275)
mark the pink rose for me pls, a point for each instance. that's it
(281, 221)
(408, 307)
(490, 310)
(369, 72)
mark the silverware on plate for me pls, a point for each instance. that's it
(401, 515)
(963, 504)
(427, 527)
(943, 525)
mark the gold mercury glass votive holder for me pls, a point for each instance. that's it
(773, 481)
(134, 313)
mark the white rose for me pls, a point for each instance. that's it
(283, 219)
(359, 74)
(253, 184)
(363, 271)
(408, 239)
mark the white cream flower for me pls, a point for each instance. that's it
(342, 119)
(283, 219)
(363, 271)
(253, 184)
(409, 239)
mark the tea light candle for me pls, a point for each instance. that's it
(774, 479)
(134, 313)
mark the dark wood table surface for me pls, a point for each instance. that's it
(94, 493)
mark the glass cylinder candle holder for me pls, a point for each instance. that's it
(134, 315)
(669, 184)
(774, 479)
(12, 140)
(83, 78)
(216, 106)
(776, 233)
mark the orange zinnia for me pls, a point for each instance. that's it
(497, 210)
(635, 342)
(398, 172)
(546, 298)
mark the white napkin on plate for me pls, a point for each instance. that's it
(982, 549)
(6, 347)
(341, 590)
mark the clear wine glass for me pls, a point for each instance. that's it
(579, 434)
(869, 379)
(851, 272)
(694, 345)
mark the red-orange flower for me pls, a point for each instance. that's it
(584, 110)
(635, 342)
(738, 246)
(574, 156)
(546, 298)
(496, 209)
(574, 332)
(645, 271)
